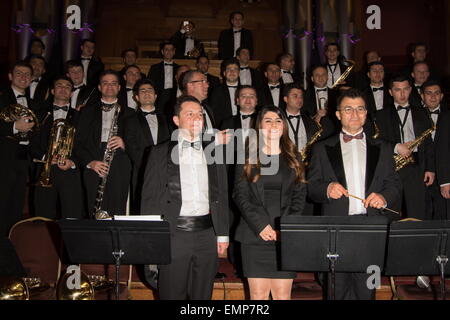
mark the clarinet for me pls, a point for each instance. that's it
(108, 157)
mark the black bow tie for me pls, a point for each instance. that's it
(196, 145)
(239, 31)
(246, 116)
(332, 65)
(399, 108)
(288, 72)
(168, 64)
(79, 88)
(437, 112)
(129, 89)
(319, 90)
(294, 117)
(245, 68)
(56, 108)
(234, 87)
(84, 59)
(35, 80)
(145, 113)
(21, 96)
(107, 106)
(377, 89)
(274, 87)
(419, 88)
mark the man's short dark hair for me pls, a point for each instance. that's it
(38, 41)
(87, 40)
(431, 83)
(35, 56)
(181, 100)
(163, 44)
(418, 63)
(62, 78)
(199, 57)
(291, 86)
(283, 56)
(229, 62)
(266, 67)
(109, 72)
(375, 63)
(72, 64)
(21, 63)
(142, 82)
(187, 77)
(332, 44)
(414, 46)
(131, 66)
(124, 52)
(399, 78)
(232, 14)
(240, 88)
(317, 66)
(238, 51)
(352, 94)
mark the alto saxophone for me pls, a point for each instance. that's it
(305, 151)
(108, 157)
(400, 161)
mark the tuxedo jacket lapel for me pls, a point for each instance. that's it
(334, 153)
(372, 158)
(148, 138)
(173, 171)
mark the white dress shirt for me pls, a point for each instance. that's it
(435, 118)
(33, 87)
(321, 97)
(189, 46)
(245, 124)
(85, 64)
(60, 114)
(152, 121)
(168, 75)
(74, 97)
(232, 92)
(302, 139)
(287, 76)
(334, 72)
(107, 118)
(237, 40)
(407, 134)
(354, 158)
(275, 94)
(378, 96)
(194, 181)
(245, 76)
(130, 101)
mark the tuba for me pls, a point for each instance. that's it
(351, 65)
(13, 113)
(16, 288)
(60, 146)
(400, 161)
(108, 157)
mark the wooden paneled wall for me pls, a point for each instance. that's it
(121, 23)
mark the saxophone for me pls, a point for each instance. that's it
(400, 161)
(305, 151)
(108, 157)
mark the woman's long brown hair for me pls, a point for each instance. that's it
(252, 169)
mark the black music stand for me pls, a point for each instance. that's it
(419, 248)
(332, 244)
(116, 242)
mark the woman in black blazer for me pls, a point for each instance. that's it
(270, 185)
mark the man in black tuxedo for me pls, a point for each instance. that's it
(335, 65)
(442, 142)
(14, 161)
(400, 124)
(202, 65)
(146, 128)
(433, 98)
(272, 92)
(352, 163)
(163, 76)
(64, 174)
(126, 95)
(180, 185)
(377, 94)
(82, 93)
(187, 46)
(92, 65)
(248, 76)
(320, 101)
(223, 97)
(287, 63)
(39, 88)
(234, 38)
(91, 140)
(420, 75)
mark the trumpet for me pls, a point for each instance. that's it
(14, 112)
(351, 65)
(60, 146)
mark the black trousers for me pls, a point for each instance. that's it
(414, 192)
(436, 204)
(116, 189)
(13, 188)
(65, 191)
(193, 268)
(352, 286)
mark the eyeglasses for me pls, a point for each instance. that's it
(197, 81)
(349, 110)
